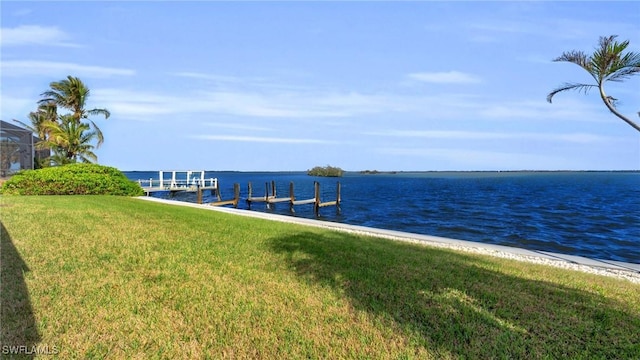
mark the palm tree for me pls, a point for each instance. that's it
(70, 141)
(607, 63)
(45, 113)
(72, 94)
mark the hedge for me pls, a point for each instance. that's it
(72, 179)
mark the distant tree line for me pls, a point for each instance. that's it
(375, 172)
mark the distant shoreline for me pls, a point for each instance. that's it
(373, 172)
(392, 172)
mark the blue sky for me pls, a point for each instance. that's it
(272, 86)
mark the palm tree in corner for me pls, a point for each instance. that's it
(607, 63)
(72, 94)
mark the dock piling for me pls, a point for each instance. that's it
(234, 201)
(270, 198)
(316, 190)
(292, 197)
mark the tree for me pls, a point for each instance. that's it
(45, 113)
(70, 141)
(327, 171)
(72, 94)
(607, 63)
(69, 136)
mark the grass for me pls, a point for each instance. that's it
(112, 277)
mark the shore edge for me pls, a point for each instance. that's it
(628, 271)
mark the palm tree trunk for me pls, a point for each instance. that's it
(615, 112)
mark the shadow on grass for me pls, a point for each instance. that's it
(456, 305)
(18, 331)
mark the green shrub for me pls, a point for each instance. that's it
(329, 171)
(72, 179)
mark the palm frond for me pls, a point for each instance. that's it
(60, 158)
(103, 112)
(51, 97)
(42, 145)
(570, 86)
(85, 138)
(69, 93)
(624, 67)
(622, 74)
(98, 133)
(575, 57)
(28, 127)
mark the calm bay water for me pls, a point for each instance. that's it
(592, 214)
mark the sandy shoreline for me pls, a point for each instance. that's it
(630, 272)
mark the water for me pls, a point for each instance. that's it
(592, 214)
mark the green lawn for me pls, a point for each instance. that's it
(113, 277)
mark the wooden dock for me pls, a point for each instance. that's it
(271, 197)
(194, 181)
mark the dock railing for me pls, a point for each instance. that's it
(177, 184)
(189, 182)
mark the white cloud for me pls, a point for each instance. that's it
(15, 107)
(266, 104)
(266, 98)
(213, 77)
(484, 159)
(450, 77)
(239, 82)
(259, 139)
(235, 126)
(35, 35)
(541, 110)
(550, 27)
(271, 104)
(217, 78)
(582, 138)
(21, 68)
(435, 134)
(22, 12)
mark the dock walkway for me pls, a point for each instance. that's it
(179, 181)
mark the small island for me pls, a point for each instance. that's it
(326, 171)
